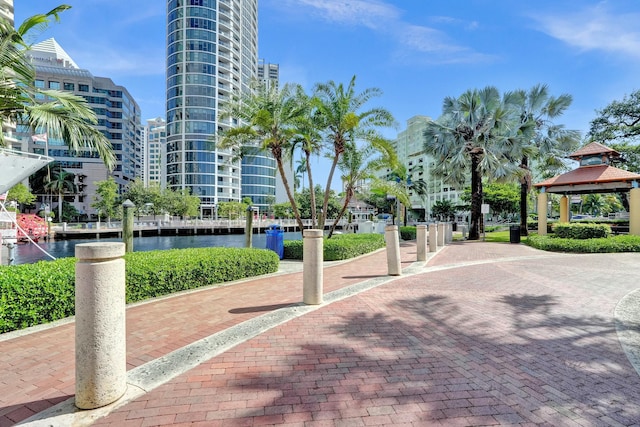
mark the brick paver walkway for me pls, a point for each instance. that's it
(487, 334)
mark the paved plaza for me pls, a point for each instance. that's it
(480, 334)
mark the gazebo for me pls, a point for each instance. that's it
(594, 175)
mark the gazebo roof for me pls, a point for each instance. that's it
(591, 179)
(592, 149)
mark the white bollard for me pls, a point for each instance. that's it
(312, 272)
(448, 237)
(433, 238)
(421, 242)
(441, 234)
(101, 359)
(393, 250)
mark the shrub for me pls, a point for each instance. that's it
(581, 230)
(33, 294)
(408, 232)
(611, 244)
(340, 246)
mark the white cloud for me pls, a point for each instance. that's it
(387, 19)
(595, 28)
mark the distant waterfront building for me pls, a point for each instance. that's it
(409, 145)
(155, 140)
(8, 129)
(118, 119)
(268, 73)
(212, 55)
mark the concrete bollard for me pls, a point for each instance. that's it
(441, 234)
(433, 237)
(312, 272)
(393, 250)
(101, 360)
(421, 242)
(463, 230)
(448, 236)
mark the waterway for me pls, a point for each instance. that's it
(30, 252)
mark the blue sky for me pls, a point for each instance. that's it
(417, 52)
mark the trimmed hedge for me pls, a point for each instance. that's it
(33, 294)
(622, 243)
(408, 232)
(581, 231)
(339, 246)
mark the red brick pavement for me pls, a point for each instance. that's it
(38, 368)
(520, 341)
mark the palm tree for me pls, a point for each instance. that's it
(63, 115)
(474, 135)
(62, 182)
(267, 117)
(358, 165)
(544, 141)
(337, 109)
(301, 169)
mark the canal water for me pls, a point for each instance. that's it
(30, 252)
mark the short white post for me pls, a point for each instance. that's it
(312, 272)
(421, 242)
(433, 237)
(441, 234)
(448, 237)
(393, 250)
(101, 362)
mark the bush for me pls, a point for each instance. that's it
(33, 294)
(408, 232)
(338, 247)
(581, 231)
(611, 244)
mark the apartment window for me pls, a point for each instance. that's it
(83, 88)
(40, 83)
(69, 86)
(54, 85)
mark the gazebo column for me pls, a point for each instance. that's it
(542, 212)
(634, 211)
(564, 209)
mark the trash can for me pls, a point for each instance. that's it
(514, 234)
(454, 226)
(275, 239)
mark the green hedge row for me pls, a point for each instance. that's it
(339, 246)
(622, 243)
(33, 294)
(408, 232)
(581, 231)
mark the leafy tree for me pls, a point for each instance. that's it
(232, 210)
(107, 201)
(503, 199)
(338, 111)
(542, 140)
(618, 122)
(282, 210)
(304, 202)
(63, 115)
(359, 164)
(181, 203)
(473, 136)
(69, 212)
(267, 116)
(594, 204)
(62, 182)
(20, 194)
(443, 210)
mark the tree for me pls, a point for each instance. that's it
(542, 140)
(20, 194)
(473, 137)
(618, 122)
(267, 117)
(503, 198)
(443, 210)
(61, 182)
(62, 115)
(338, 111)
(106, 200)
(359, 164)
(303, 199)
(594, 204)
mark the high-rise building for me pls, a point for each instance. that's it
(118, 117)
(212, 55)
(409, 145)
(8, 128)
(268, 73)
(6, 10)
(155, 140)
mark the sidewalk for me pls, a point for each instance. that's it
(483, 334)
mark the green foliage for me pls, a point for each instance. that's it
(612, 244)
(231, 210)
(443, 210)
(106, 199)
(303, 200)
(581, 230)
(20, 194)
(340, 246)
(408, 232)
(33, 294)
(282, 210)
(618, 121)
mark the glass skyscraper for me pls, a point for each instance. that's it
(212, 55)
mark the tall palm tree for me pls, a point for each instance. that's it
(360, 164)
(338, 110)
(475, 136)
(301, 169)
(267, 117)
(61, 182)
(62, 115)
(545, 142)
